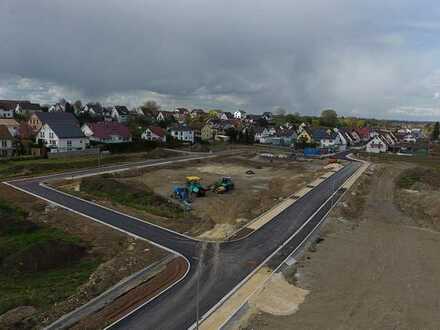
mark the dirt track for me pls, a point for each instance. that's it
(373, 271)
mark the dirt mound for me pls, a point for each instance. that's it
(279, 297)
(43, 256)
(18, 318)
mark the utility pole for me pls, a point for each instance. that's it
(99, 157)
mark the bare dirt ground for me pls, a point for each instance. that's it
(253, 194)
(134, 298)
(120, 254)
(376, 268)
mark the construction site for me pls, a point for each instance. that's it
(210, 198)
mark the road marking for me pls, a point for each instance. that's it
(239, 285)
(125, 232)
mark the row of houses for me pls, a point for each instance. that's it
(58, 128)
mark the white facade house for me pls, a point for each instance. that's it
(154, 134)
(7, 147)
(376, 145)
(343, 142)
(58, 141)
(120, 113)
(409, 138)
(239, 114)
(181, 133)
(6, 113)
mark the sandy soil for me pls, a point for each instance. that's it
(375, 268)
(279, 297)
(253, 194)
(121, 255)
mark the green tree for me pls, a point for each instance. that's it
(150, 107)
(329, 118)
(436, 131)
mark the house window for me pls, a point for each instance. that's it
(69, 143)
(50, 135)
(4, 144)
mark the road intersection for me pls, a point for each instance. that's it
(215, 268)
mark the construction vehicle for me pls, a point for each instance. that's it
(183, 195)
(223, 185)
(195, 187)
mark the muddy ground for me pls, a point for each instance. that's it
(253, 193)
(377, 268)
(120, 255)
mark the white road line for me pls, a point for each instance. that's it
(290, 255)
(125, 232)
(230, 293)
(161, 246)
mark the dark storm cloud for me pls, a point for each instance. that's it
(356, 56)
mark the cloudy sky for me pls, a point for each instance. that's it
(365, 58)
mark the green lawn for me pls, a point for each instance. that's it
(38, 266)
(14, 168)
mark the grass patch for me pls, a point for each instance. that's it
(43, 289)
(143, 199)
(38, 266)
(15, 168)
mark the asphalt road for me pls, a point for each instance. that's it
(222, 265)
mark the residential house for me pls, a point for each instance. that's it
(106, 132)
(264, 135)
(347, 136)
(356, 137)
(226, 115)
(364, 134)
(284, 137)
(61, 133)
(376, 145)
(154, 133)
(11, 124)
(240, 114)
(197, 112)
(409, 138)
(38, 119)
(182, 133)
(120, 113)
(326, 137)
(9, 107)
(208, 132)
(6, 113)
(343, 138)
(252, 119)
(305, 134)
(267, 116)
(57, 107)
(165, 115)
(7, 147)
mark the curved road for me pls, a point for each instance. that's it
(217, 267)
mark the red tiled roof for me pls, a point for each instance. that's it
(105, 130)
(363, 132)
(157, 131)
